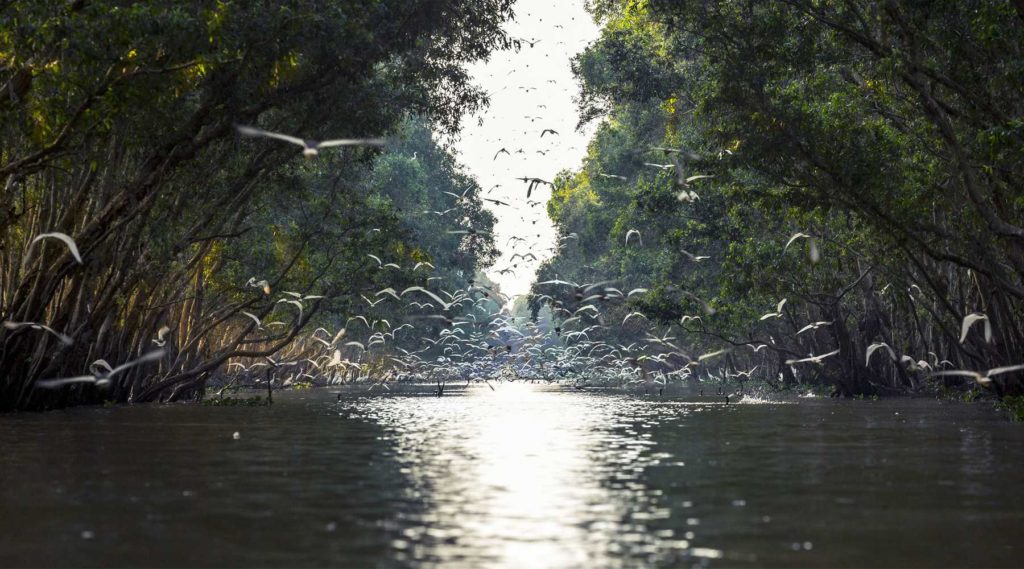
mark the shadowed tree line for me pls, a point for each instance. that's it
(117, 128)
(889, 134)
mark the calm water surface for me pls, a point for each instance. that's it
(522, 476)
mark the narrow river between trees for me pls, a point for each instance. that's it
(519, 476)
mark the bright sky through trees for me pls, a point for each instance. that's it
(530, 91)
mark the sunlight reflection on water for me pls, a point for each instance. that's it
(513, 476)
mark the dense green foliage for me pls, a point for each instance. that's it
(889, 133)
(117, 128)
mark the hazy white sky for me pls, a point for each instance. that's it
(531, 90)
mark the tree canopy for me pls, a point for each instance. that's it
(117, 127)
(859, 159)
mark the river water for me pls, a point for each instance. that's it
(518, 476)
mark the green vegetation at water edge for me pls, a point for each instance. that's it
(799, 181)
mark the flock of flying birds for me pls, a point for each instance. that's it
(464, 334)
(526, 135)
(476, 340)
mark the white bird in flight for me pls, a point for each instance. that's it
(970, 320)
(99, 377)
(310, 148)
(812, 326)
(161, 334)
(982, 378)
(434, 297)
(64, 338)
(714, 354)
(778, 311)
(813, 359)
(874, 348)
(812, 245)
(692, 257)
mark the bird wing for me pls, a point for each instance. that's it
(251, 131)
(147, 357)
(433, 296)
(371, 302)
(63, 237)
(254, 318)
(873, 348)
(352, 142)
(293, 302)
(361, 317)
(969, 321)
(959, 372)
(630, 315)
(568, 320)
(11, 325)
(54, 383)
(64, 338)
(823, 356)
(793, 238)
(710, 355)
(815, 359)
(1004, 369)
(699, 177)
